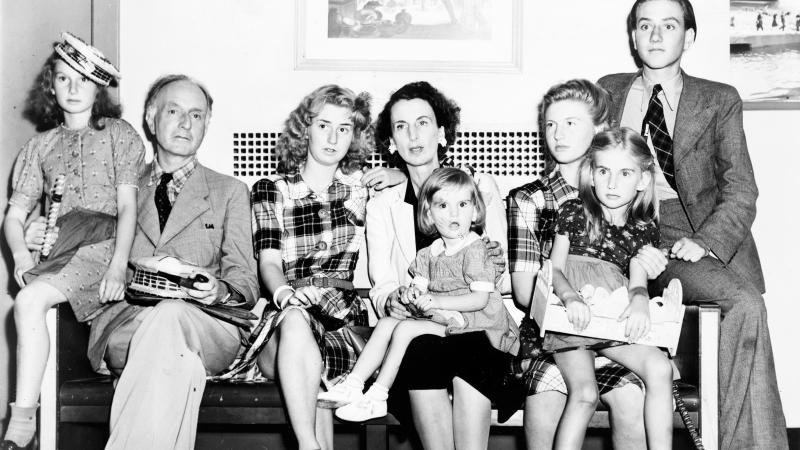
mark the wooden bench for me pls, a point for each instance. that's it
(75, 400)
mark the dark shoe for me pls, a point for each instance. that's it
(10, 445)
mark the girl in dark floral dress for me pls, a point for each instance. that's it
(596, 241)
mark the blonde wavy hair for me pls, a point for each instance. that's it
(292, 147)
(644, 207)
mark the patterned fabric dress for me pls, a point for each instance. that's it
(95, 163)
(532, 213)
(316, 236)
(601, 264)
(467, 270)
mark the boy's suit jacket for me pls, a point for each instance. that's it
(209, 226)
(713, 171)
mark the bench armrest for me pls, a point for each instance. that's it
(709, 320)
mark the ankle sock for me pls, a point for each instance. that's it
(22, 426)
(378, 392)
(354, 381)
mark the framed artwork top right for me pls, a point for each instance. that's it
(765, 52)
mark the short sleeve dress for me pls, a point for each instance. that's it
(600, 264)
(94, 163)
(468, 270)
(316, 236)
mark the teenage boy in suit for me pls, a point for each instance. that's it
(164, 352)
(707, 195)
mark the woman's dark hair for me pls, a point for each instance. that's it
(446, 111)
(292, 146)
(42, 108)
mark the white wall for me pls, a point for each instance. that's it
(774, 143)
(243, 51)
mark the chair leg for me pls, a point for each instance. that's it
(377, 437)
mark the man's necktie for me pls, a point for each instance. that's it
(654, 121)
(163, 206)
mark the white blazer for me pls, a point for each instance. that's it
(391, 246)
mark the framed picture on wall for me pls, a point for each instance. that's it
(409, 35)
(765, 52)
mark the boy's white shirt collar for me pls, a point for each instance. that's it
(672, 90)
(437, 248)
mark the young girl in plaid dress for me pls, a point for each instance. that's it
(453, 291)
(308, 222)
(99, 157)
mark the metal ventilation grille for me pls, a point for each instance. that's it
(500, 153)
(253, 154)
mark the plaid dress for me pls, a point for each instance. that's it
(532, 213)
(316, 236)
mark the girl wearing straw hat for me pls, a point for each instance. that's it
(86, 162)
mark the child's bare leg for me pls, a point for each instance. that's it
(654, 369)
(373, 403)
(33, 347)
(374, 351)
(577, 368)
(33, 339)
(403, 334)
(352, 386)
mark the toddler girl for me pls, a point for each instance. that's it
(596, 239)
(98, 158)
(460, 297)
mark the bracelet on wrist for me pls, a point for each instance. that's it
(282, 303)
(639, 290)
(572, 298)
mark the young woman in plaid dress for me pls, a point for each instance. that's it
(308, 222)
(570, 114)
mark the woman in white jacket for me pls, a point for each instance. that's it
(416, 126)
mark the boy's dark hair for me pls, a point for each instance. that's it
(42, 109)
(689, 20)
